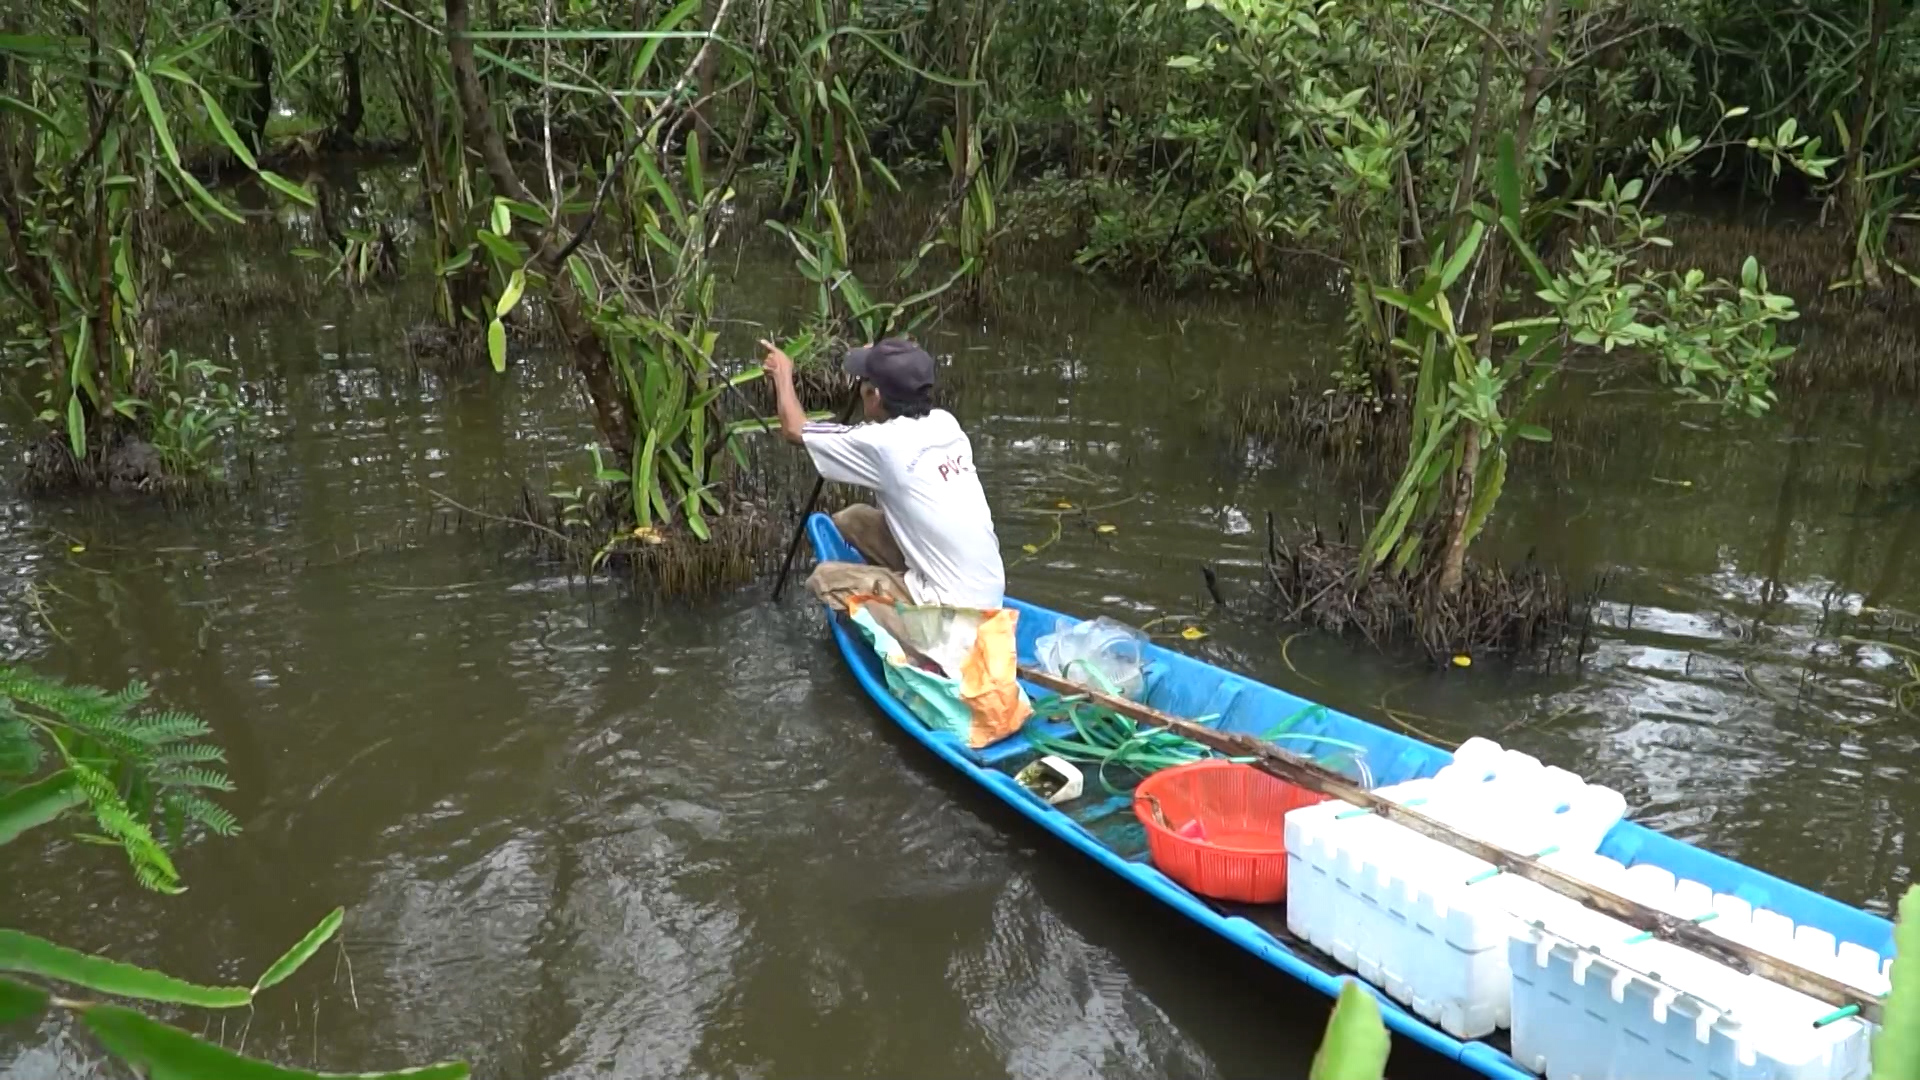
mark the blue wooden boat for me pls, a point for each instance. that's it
(1183, 686)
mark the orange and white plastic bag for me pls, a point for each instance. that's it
(956, 668)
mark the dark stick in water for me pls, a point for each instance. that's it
(800, 527)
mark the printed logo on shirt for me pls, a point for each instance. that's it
(945, 463)
(955, 465)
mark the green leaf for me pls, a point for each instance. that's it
(34, 956)
(302, 952)
(205, 196)
(1506, 178)
(516, 285)
(525, 72)
(873, 42)
(162, 1052)
(36, 804)
(497, 345)
(1540, 274)
(18, 1002)
(1533, 432)
(155, 113)
(297, 192)
(643, 484)
(45, 119)
(320, 38)
(1457, 263)
(76, 427)
(1356, 1044)
(527, 211)
(696, 179)
(667, 198)
(225, 127)
(672, 19)
(503, 249)
(1750, 272)
(49, 48)
(1184, 62)
(1896, 1046)
(583, 278)
(590, 35)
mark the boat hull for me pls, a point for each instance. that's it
(1184, 686)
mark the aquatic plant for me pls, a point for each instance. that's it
(139, 774)
(97, 108)
(1356, 1044)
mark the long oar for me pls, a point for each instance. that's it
(813, 500)
(1686, 933)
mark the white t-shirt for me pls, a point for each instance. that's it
(921, 470)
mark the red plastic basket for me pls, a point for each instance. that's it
(1241, 854)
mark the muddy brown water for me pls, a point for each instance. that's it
(578, 835)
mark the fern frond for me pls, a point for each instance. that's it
(149, 860)
(192, 777)
(188, 754)
(218, 819)
(79, 707)
(158, 729)
(137, 773)
(131, 695)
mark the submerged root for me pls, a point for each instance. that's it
(594, 536)
(235, 297)
(125, 465)
(1348, 429)
(1497, 611)
(433, 344)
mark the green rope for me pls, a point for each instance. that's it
(1103, 738)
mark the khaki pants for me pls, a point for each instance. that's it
(882, 575)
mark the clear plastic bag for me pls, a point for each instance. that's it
(1115, 652)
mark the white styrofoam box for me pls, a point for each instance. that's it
(1726, 916)
(1523, 806)
(1592, 1001)
(1423, 921)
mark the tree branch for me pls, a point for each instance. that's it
(1505, 53)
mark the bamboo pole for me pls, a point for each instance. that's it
(1307, 774)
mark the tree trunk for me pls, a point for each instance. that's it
(590, 359)
(1857, 200)
(355, 108)
(1470, 161)
(260, 105)
(703, 107)
(1453, 563)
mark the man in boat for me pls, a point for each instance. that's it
(931, 539)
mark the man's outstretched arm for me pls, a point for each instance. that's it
(793, 418)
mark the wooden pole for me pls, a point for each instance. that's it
(1307, 774)
(813, 500)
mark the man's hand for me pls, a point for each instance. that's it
(779, 368)
(778, 364)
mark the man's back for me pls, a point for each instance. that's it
(921, 470)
